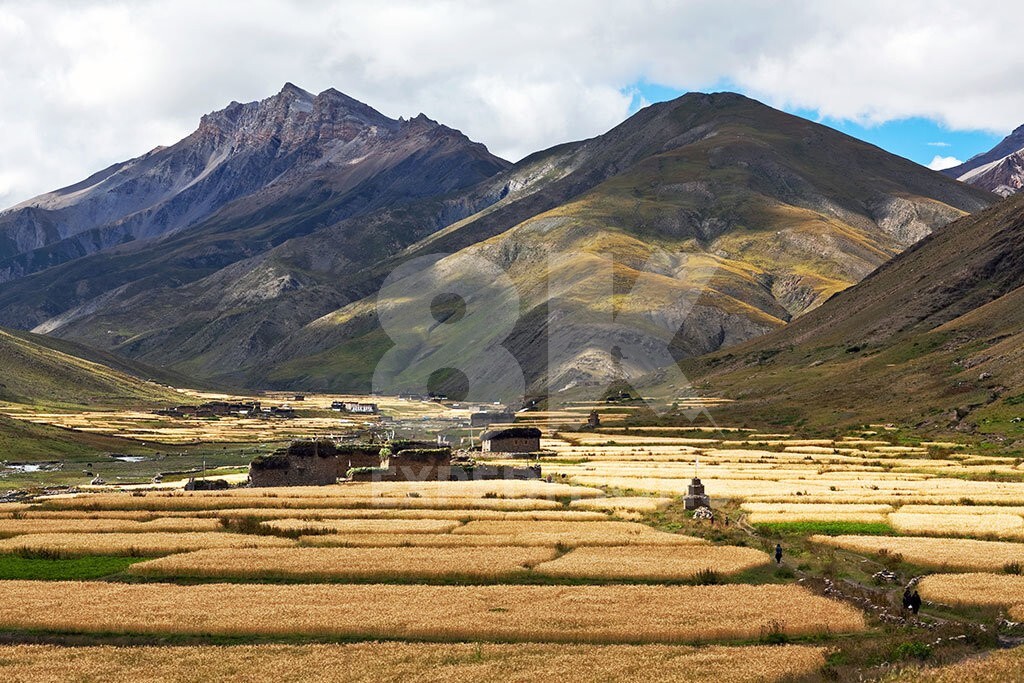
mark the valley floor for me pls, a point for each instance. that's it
(597, 573)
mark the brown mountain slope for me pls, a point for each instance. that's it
(934, 337)
(760, 213)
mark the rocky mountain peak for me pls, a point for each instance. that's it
(999, 170)
(293, 116)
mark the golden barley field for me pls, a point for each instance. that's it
(941, 553)
(621, 503)
(627, 614)
(553, 527)
(534, 539)
(151, 543)
(320, 513)
(427, 541)
(369, 526)
(576, 533)
(413, 663)
(162, 502)
(652, 562)
(964, 509)
(974, 589)
(12, 527)
(781, 468)
(1003, 666)
(333, 564)
(769, 513)
(822, 509)
(958, 524)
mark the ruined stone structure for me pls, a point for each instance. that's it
(318, 463)
(357, 455)
(487, 418)
(695, 496)
(511, 440)
(211, 409)
(310, 463)
(421, 464)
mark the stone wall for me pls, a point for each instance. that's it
(303, 463)
(511, 445)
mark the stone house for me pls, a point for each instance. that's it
(303, 463)
(511, 440)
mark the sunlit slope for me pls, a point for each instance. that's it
(933, 337)
(34, 372)
(738, 216)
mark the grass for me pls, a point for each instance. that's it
(17, 567)
(827, 528)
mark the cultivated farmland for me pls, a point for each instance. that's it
(974, 589)
(951, 553)
(603, 562)
(146, 543)
(333, 564)
(415, 662)
(652, 562)
(581, 614)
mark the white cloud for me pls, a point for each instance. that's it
(940, 163)
(939, 144)
(89, 83)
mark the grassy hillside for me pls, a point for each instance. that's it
(37, 373)
(934, 338)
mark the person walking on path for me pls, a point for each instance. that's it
(915, 602)
(778, 553)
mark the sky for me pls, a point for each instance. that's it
(87, 83)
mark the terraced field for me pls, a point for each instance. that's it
(534, 578)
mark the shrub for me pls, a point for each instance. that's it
(365, 470)
(773, 633)
(707, 577)
(40, 554)
(912, 650)
(1012, 568)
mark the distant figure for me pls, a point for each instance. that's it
(915, 602)
(778, 553)
(907, 598)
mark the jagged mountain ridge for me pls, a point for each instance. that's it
(783, 211)
(287, 142)
(1000, 170)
